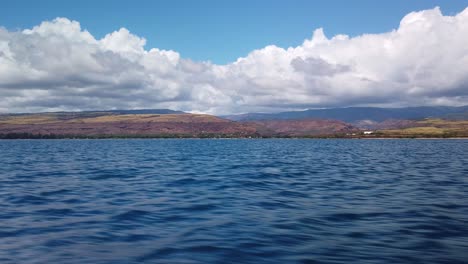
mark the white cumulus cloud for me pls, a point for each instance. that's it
(57, 65)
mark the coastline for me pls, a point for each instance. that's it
(324, 137)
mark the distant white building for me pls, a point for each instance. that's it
(368, 132)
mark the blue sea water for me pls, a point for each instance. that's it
(234, 201)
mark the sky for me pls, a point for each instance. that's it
(225, 57)
(221, 31)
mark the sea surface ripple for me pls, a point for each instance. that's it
(234, 201)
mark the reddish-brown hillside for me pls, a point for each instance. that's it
(386, 124)
(167, 125)
(304, 127)
(134, 124)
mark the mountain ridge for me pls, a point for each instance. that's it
(170, 123)
(105, 124)
(355, 114)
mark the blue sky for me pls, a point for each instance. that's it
(221, 31)
(228, 57)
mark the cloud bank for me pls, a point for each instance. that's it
(57, 65)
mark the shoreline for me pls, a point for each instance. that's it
(236, 138)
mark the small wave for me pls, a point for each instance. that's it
(131, 215)
(55, 192)
(271, 170)
(29, 199)
(55, 212)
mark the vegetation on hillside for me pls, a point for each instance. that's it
(439, 128)
(183, 125)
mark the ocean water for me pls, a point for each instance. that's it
(234, 201)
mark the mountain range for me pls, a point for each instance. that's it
(356, 114)
(336, 122)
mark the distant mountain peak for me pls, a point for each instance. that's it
(355, 114)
